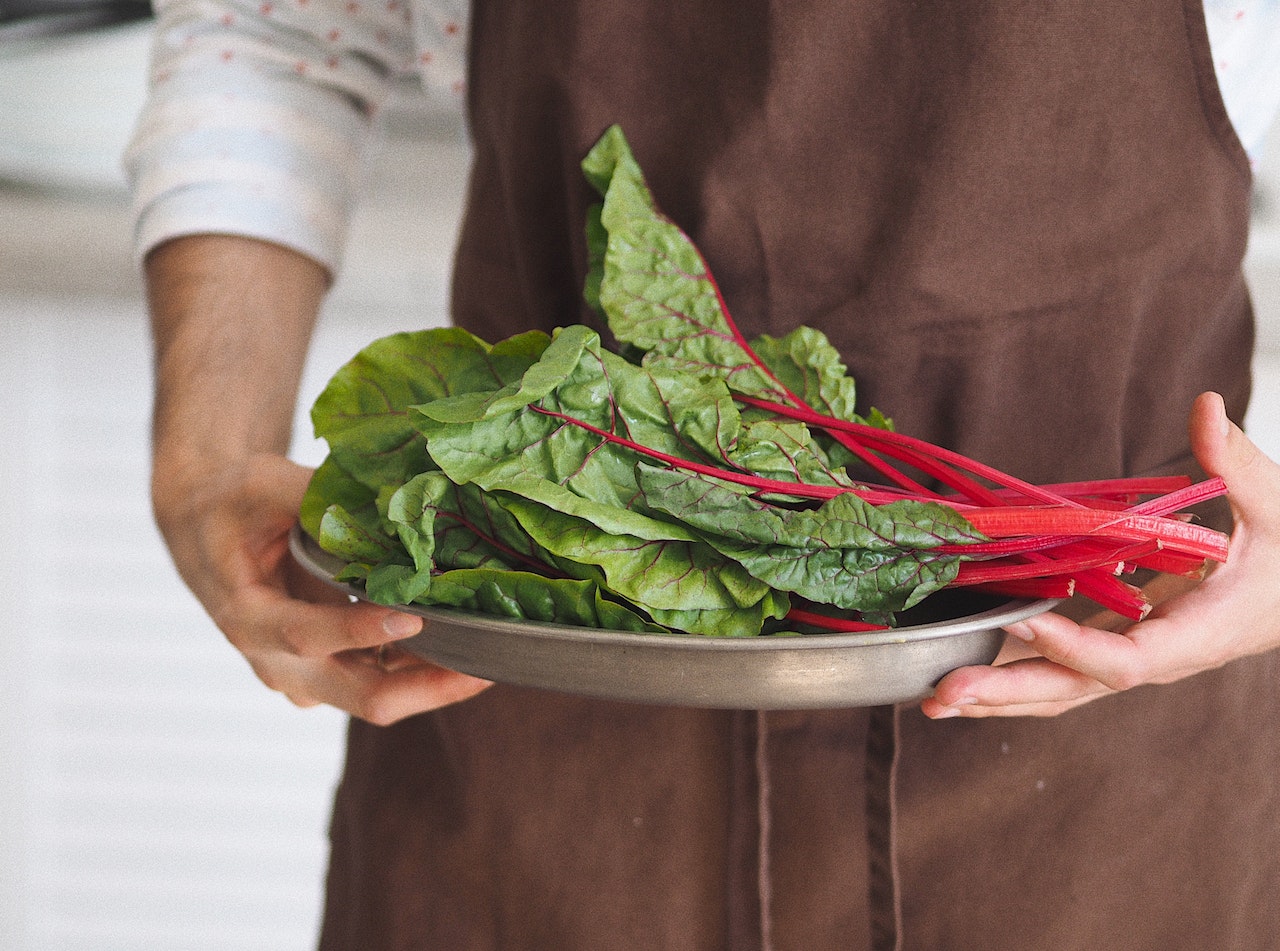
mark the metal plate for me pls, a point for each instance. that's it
(815, 671)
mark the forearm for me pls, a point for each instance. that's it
(232, 318)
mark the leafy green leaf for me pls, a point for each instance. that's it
(522, 595)
(547, 478)
(808, 366)
(331, 485)
(363, 412)
(665, 574)
(785, 450)
(521, 442)
(444, 525)
(844, 552)
(654, 286)
(356, 536)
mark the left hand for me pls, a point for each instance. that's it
(1057, 664)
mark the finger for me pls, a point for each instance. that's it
(1032, 687)
(416, 691)
(1222, 449)
(1113, 659)
(388, 658)
(264, 619)
(383, 698)
(980, 712)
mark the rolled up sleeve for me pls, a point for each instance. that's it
(259, 118)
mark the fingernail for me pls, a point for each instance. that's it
(1224, 422)
(401, 625)
(1021, 630)
(953, 709)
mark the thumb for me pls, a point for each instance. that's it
(1222, 449)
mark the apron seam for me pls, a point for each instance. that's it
(884, 885)
(764, 789)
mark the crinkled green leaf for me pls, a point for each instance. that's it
(531, 450)
(463, 525)
(808, 366)
(375, 558)
(393, 583)
(661, 574)
(784, 449)
(331, 485)
(549, 371)
(444, 525)
(726, 622)
(653, 284)
(363, 412)
(356, 536)
(522, 595)
(597, 244)
(519, 479)
(843, 552)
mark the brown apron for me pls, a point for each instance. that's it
(1023, 225)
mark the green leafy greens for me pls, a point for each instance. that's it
(546, 477)
(696, 482)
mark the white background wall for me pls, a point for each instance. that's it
(153, 797)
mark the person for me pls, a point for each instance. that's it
(1024, 231)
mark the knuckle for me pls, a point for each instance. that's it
(296, 638)
(272, 682)
(266, 673)
(1133, 674)
(378, 710)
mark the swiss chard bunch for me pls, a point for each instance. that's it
(714, 485)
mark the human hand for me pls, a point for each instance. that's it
(1055, 664)
(232, 319)
(229, 540)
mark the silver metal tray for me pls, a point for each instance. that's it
(815, 671)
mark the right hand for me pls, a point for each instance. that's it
(229, 540)
(232, 320)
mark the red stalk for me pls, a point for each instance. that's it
(1123, 490)
(983, 572)
(1052, 586)
(1035, 520)
(883, 438)
(1182, 498)
(1174, 563)
(879, 465)
(970, 489)
(1113, 594)
(800, 616)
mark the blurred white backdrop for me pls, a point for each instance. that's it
(153, 795)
